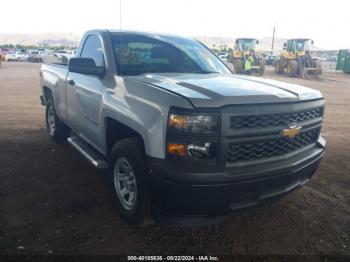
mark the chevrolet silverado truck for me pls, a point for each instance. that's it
(183, 139)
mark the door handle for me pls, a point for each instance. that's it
(71, 82)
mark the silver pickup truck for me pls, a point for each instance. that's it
(183, 139)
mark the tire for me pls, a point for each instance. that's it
(57, 130)
(237, 65)
(262, 67)
(318, 70)
(279, 67)
(292, 68)
(127, 171)
(302, 71)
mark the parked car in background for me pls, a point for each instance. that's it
(269, 59)
(36, 56)
(60, 53)
(16, 56)
(65, 57)
(277, 57)
(223, 56)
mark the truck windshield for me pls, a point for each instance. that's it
(302, 45)
(246, 44)
(138, 54)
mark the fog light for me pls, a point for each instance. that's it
(198, 151)
(177, 149)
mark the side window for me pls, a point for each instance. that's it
(93, 49)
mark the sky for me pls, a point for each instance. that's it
(326, 22)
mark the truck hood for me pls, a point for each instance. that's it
(216, 90)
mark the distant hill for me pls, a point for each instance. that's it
(51, 39)
(58, 42)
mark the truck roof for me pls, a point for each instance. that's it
(140, 33)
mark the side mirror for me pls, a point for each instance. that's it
(236, 42)
(312, 42)
(257, 42)
(86, 66)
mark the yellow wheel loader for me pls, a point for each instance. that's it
(246, 47)
(296, 59)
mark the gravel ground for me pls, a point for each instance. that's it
(53, 202)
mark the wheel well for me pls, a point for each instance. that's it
(116, 131)
(47, 93)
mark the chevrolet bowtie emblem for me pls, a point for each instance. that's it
(291, 132)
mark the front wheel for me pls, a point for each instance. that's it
(128, 180)
(292, 68)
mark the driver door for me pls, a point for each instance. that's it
(84, 94)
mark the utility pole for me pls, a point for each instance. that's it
(273, 39)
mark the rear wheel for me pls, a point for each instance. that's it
(279, 67)
(127, 175)
(262, 67)
(237, 65)
(318, 70)
(292, 68)
(57, 130)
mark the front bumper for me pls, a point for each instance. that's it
(201, 199)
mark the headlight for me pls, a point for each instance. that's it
(193, 123)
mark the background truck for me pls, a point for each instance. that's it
(296, 59)
(183, 139)
(246, 47)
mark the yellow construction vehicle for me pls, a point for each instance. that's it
(246, 47)
(295, 59)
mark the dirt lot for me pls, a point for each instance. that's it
(53, 202)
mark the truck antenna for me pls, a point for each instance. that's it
(120, 15)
